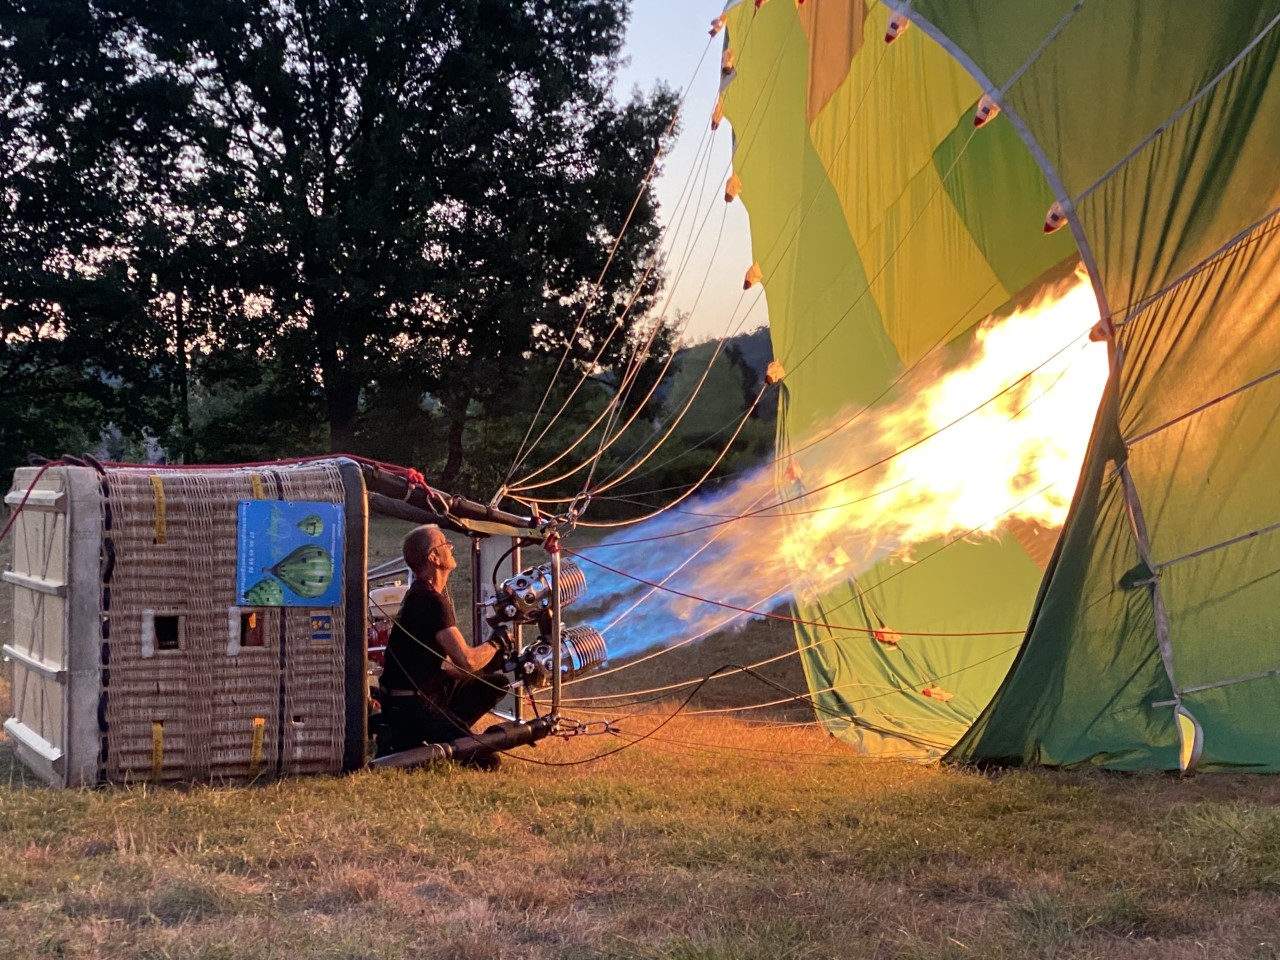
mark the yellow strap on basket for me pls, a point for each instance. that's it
(157, 484)
(255, 481)
(255, 752)
(157, 749)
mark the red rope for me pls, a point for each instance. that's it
(414, 477)
(23, 502)
(777, 616)
(407, 472)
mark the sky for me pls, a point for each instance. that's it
(665, 41)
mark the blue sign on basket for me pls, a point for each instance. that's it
(290, 554)
(321, 626)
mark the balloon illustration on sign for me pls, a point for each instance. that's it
(307, 571)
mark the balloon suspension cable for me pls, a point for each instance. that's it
(524, 484)
(526, 449)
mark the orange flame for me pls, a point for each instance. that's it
(986, 446)
(977, 449)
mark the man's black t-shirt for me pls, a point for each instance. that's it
(414, 655)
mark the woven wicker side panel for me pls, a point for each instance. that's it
(247, 688)
(208, 693)
(315, 692)
(168, 562)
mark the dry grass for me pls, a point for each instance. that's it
(711, 840)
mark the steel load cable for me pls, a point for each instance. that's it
(607, 441)
(675, 422)
(941, 727)
(689, 559)
(745, 147)
(588, 493)
(820, 708)
(626, 746)
(634, 363)
(670, 648)
(610, 411)
(620, 397)
(522, 453)
(683, 683)
(711, 469)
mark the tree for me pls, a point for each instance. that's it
(78, 347)
(354, 191)
(111, 264)
(425, 186)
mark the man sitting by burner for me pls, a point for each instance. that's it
(434, 684)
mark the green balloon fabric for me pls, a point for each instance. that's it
(885, 221)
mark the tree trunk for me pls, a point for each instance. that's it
(342, 402)
(184, 399)
(453, 446)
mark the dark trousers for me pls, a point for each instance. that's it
(445, 715)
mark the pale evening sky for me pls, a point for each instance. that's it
(665, 40)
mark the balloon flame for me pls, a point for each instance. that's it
(990, 446)
(986, 446)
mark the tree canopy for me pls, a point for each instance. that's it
(280, 213)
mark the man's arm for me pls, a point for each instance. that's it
(463, 655)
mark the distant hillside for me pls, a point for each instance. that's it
(730, 386)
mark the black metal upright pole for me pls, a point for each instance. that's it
(554, 544)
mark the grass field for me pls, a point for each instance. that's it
(713, 839)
